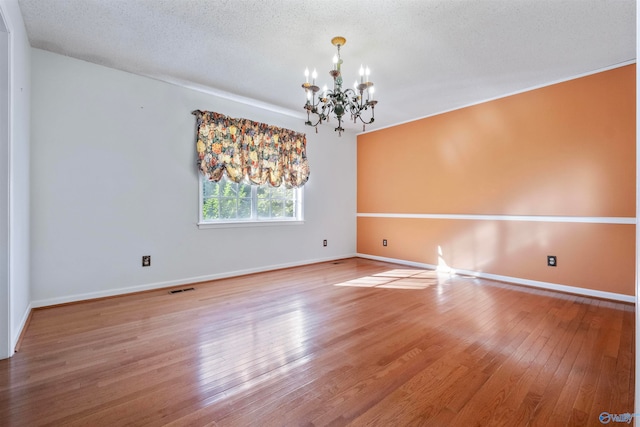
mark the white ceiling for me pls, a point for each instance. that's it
(426, 56)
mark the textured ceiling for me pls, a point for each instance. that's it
(425, 56)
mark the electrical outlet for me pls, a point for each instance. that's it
(384, 242)
(324, 242)
(552, 261)
(146, 260)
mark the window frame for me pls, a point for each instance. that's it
(255, 221)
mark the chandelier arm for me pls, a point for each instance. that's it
(372, 115)
(313, 109)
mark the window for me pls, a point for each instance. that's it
(228, 202)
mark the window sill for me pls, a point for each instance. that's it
(241, 224)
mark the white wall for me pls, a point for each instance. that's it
(114, 178)
(16, 189)
(5, 303)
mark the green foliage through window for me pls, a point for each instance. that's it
(228, 201)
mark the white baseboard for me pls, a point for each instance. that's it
(177, 282)
(514, 280)
(18, 331)
(189, 280)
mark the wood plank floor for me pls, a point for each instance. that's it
(355, 342)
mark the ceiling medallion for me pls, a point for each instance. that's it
(338, 101)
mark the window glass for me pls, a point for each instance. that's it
(227, 201)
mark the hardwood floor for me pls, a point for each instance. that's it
(355, 342)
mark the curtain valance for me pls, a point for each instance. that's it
(244, 149)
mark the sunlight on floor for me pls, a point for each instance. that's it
(398, 279)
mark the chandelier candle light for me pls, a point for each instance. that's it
(338, 101)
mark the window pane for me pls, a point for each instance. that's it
(277, 209)
(228, 208)
(279, 192)
(244, 190)
(263, 208)
(290, 194)
(289, 209)
(209, 188)
(230, 189)
(210, 209)
(263, 191)
(244, 208)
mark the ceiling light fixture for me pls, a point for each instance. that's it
(338, 101)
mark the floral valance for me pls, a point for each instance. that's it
(244, 149)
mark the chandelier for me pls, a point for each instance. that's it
(354, 101)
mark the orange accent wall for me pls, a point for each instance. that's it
(563, 150)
